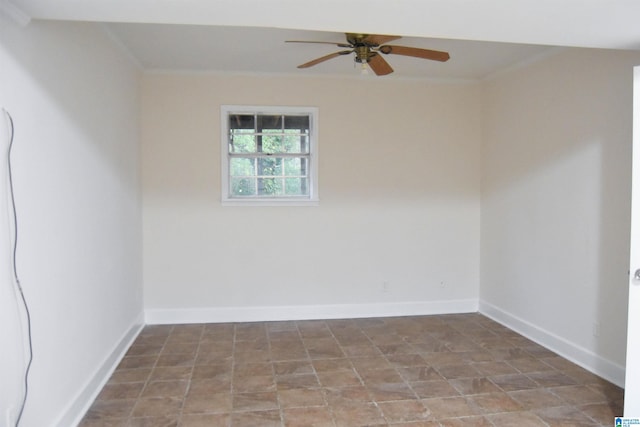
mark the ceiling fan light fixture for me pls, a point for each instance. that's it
(367, 49)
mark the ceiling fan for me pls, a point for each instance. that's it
(367, 49)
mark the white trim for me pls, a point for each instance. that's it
(313, 199)
(306, 312)
(581, 356)
(73, 414)
(632, 380)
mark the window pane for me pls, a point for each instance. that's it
(272, 143)
(240, 143)
(270, 166)
(243, 187)
(241, 166)
(295, 142)
(269, 123)
(268, 153)
(296, 166)
(296, 186)
(300, 123)
(270, 187)
(241, 121)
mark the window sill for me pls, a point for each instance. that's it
(270, 202)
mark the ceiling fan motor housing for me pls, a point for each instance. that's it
(363, 54)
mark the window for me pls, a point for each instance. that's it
(269, 155)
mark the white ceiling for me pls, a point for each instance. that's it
(247, 36)
(263, 50)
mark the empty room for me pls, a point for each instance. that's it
(257, 213)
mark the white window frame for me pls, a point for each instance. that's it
(227, 199)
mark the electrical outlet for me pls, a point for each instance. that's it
(385, 286)
(596, 329)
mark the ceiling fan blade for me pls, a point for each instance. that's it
(379, 39)
(331, 43)
(434, 55)
(324, 58)
(379, 65)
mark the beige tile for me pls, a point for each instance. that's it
(338, 364)
(536, 399)
(209, 386)
(171, 373)
(347, 396)
(111, 408)
(493, 403)
(135, 362)
(494, 368)
(379, 376)
(308, 417)
(157, 406)
(404, 410)
(529, 364)
(145, 350)
(579, 394)
(419, 373)
(517, 419)
(564, 415)
(603, 413)
(472, 421)
(111, 422)
(437, 388)
(206, 420)
(371, 362)
(293, 367)
(468, 386)
(450, 407)
(253, 383)
(405, 360)
(172, 388)
(339, 378)
(252, 369)
(459, 370)
(130, 375)
(169, 421)
(256, 419)
(514, 382)
(207, 403)
(285, 382)
(551, 378)
(181, 347)
(362, 350)
(121, 391)
(444, 370)
(295, 398)
(175, 360)
(246, 402)
(391, 391)
(358, 415)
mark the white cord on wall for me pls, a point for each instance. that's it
(16, 277)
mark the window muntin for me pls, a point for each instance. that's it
(268, 154)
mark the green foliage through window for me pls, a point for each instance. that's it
(269, 155)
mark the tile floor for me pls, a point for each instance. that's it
(449, 370)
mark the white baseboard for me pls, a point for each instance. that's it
(306, 312)
(581, 356)
(83, 400)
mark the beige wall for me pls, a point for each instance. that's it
(556, 204)
(73, 98)
(513, 192)
(399, 202)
